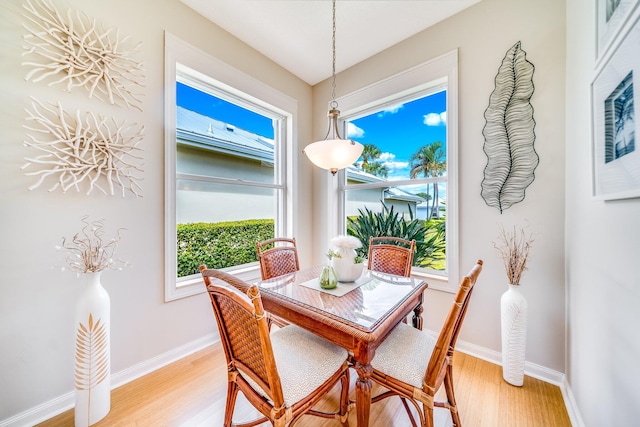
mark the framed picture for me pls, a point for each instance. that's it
(614, 99)
(611, 16)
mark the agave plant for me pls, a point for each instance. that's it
(430, 242)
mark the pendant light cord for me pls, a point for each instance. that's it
(334, 104)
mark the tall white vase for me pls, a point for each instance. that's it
(513, 307)
(344, 266)
(93, 354)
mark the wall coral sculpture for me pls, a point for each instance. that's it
(95, 152)
(509, 133)
(80, 53)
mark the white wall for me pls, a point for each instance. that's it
(603, 249)
(483, 33)
(37, 302)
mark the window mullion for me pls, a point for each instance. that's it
(228, 181)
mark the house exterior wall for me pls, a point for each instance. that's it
(405, 209)
(361, 199)
(207, 202)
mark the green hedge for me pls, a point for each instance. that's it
(221, 244)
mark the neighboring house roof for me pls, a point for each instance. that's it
(360, 176)
(205, 132)
(394, 193)
(390, 193)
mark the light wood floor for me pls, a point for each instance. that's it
(191, 393)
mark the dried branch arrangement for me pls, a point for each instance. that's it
(88, 151)
(80, 53)
(88, 252)
(513, 247)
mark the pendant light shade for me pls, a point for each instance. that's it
(335, 153)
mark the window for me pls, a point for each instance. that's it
(407, 124)
(225, 168)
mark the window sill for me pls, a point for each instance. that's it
(436, 282)
(193, 285)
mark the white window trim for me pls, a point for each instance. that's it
(429, 74)
(233, 81)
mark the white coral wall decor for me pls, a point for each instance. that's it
(81, 53)
(95, 152)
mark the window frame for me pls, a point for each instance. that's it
(432, 76)
(195, 65)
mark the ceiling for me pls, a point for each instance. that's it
(296, 34)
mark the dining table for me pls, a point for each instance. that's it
(357, 315)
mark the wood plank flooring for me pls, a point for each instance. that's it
(191, 393)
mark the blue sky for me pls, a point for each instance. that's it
(398, 131)
(200, 102)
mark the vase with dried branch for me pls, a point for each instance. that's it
(513, 247)
(89, 253)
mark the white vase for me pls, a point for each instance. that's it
(344, 266)
(92, 378)
(513, 308)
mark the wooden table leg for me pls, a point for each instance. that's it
(417, 316)
(363, 393)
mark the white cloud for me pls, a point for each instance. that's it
(435, 119)
(392, 109)
(354, 131)
(396, 165)
(386, 156)
(387, 160)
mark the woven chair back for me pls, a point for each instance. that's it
(449, 334)
(277, 256)
(243, 328)
(391, 255)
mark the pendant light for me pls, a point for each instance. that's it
(335, 153)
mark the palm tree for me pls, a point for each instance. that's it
(430, 161)
(369, 153)
(376, 168)
(424, 195)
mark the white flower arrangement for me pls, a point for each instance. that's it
(346, 242)
(87, 252)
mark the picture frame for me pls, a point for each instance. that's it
(611, 15)
(614, 100)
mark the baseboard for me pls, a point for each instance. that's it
(530, 369)
(571, 405)
(65, 402)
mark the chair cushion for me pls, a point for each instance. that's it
(304, 361)
(404, 354)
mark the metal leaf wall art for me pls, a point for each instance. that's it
(79, 52)
(92, 355)
(95, 152)
(509, 133)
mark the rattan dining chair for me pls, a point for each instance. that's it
(391, 255)
(283, 374)
(414, 364)
(277, 256)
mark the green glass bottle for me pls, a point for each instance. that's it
(328, 278)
